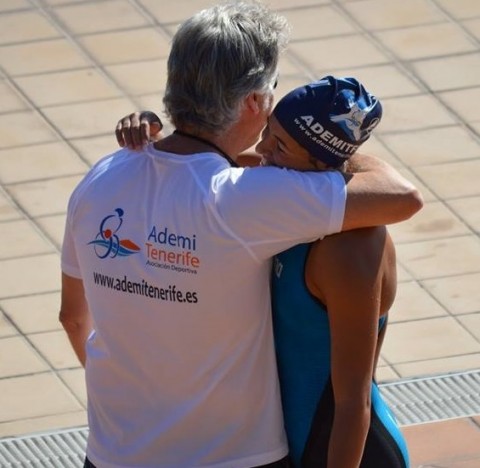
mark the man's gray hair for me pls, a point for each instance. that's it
(218, 57)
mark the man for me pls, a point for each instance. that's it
(169, 252)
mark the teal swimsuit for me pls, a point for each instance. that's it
(302, 340)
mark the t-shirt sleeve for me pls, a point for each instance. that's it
(69, 260)
(271, 209)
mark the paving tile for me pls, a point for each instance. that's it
(473, 26)
(100, 16)
(19, 358)
(402, 114)
(426, 41)
(385, 374)
(427, 194)
(472, 323)
(470, 463)
(374, 146)
(435, 220)
(70, 419)
(461, 9)
(70, 87)
(31, 275)
(23, 128)
(8, 211)
(459, 294)
(6, 326)
(168, 12)
(34, 313)
(95, 148)
(381, 14)
(443, 73)
(119, 47)
(382, 80)
(14, 5)
(448, 180)
(20, 239)
(433, 146)
(403, 275)
(47, 160)
(464, 103)
(286, 83)
(62, 2)
(476, 127)
(34, 396)
(25, 26)
(141, 77)
(427, 339)
(413, 303)
(54, 227)
(11, 100)
(382, 361)
(40, 57)
(288, 65)
(304, 23)
(429, 443)
(281, 4)
(467, 208)
(441, 257)
(45, 197)
(89, 118)
(75, 380)
(443, 365)
(337, 53)
(55, 348)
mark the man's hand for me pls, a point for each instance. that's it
(136, 130)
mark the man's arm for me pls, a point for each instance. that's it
(74, 315)
(377, 194)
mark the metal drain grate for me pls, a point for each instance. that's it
(413, 401)
(434, 398)
(62, 449)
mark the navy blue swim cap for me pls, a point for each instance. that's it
(330, 117)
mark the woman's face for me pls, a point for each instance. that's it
(278, 148)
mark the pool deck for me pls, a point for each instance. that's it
(70, 68)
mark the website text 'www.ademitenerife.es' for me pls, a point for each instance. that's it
(143, 288)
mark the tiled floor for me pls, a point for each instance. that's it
(70, 68)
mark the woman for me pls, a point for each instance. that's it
(331, 297)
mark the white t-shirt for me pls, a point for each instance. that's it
(174, 253)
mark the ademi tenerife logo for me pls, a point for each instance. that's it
(172, 251)
(107, 243)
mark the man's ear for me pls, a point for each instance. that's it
(253, 103)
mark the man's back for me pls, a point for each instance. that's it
(180, 368)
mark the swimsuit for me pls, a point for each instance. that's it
(302, 339)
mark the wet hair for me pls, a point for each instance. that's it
(218, 57)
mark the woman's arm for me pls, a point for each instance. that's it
(345, 271)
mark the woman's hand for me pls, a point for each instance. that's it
(136, 130)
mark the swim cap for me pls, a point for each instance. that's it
(330, 117)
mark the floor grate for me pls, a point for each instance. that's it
(61, 449)
(413, 401)
(434, 398)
